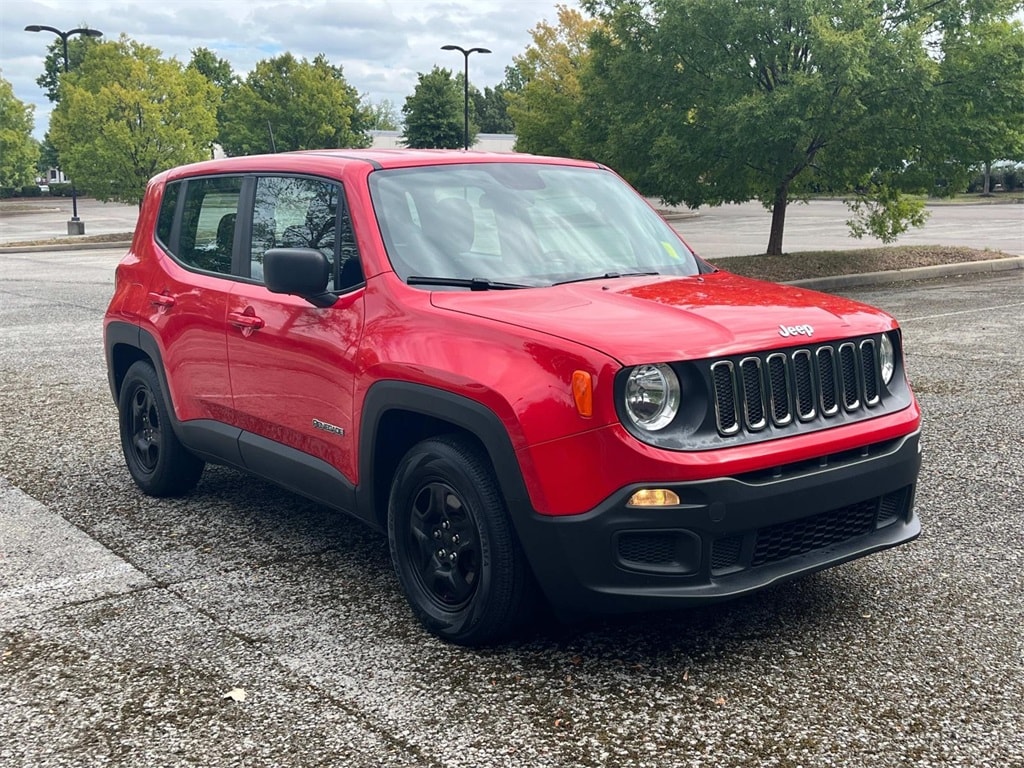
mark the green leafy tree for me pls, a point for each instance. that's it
(772, 101)
(219, 72)
(127, 114)
(48, 156)
(546, 99)
(53, 65)
(491, 109)
(979, 114)
(381, 115)
(215, 69)
(19, 152)
(434, 112)
(289, 104)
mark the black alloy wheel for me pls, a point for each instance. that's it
(453, 545)
(159, 464)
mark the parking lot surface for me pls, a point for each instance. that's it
(243, 625)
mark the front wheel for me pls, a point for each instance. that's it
(452, 543)
(158, 463)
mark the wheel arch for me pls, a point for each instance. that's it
(125, 345)
(397, 415)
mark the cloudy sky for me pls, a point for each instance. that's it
(381, 44)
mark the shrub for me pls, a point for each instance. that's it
(31, 190)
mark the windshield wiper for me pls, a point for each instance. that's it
(605, 276)
(473, 283)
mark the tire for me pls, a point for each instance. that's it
(453, 546)
(159, 464)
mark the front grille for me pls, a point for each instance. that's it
(805, 385)
(797, 537)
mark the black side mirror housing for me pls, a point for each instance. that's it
(300, 272)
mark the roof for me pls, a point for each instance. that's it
(327, 160)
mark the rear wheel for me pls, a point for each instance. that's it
(453, 546)
(159, 464)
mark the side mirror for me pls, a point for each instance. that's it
(298, 271)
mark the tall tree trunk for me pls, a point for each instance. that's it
(778, 219)
(986, 189)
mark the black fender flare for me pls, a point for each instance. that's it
(120, 333)
(462, 412)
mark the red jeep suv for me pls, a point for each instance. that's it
(514, 367)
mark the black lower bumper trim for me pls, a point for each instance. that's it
(728, 536)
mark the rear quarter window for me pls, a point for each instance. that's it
(165, 221)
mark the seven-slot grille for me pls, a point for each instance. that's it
(805, 384)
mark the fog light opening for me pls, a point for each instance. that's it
(654, 497)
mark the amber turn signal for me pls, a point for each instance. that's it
(583, 393)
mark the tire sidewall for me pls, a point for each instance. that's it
(428, 462)
(176, 470)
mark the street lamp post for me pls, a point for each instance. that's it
(465, 87)
(76, 226)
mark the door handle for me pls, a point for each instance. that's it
(161, 300)
(246, 321)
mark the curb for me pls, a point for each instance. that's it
(125, 244)
(915, 273)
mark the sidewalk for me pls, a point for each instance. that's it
(45, 218)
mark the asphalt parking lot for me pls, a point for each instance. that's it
(128, 623)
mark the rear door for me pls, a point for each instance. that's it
(188, 297)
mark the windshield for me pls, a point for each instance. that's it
(519, 225)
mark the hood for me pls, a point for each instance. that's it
(661, 319)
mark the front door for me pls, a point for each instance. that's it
(292, 364)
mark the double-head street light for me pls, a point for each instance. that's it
(465, 87)
(76, 226)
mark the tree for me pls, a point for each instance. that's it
(220, 73)
(215, 69)
(48, 156)
(53, 66)
(979, 115)
(287, 104)
(491, 109)
(128, 113)
(381, 115)
(545, 108)
(434, 112)
(19, 152)
(773, 100)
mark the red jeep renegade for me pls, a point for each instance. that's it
(517, 369)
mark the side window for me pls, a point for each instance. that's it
(168, 206)
(207, 234)
(298, 213)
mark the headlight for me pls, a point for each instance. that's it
(887, 358)
(652, 396)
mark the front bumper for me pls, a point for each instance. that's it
(728, 536)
